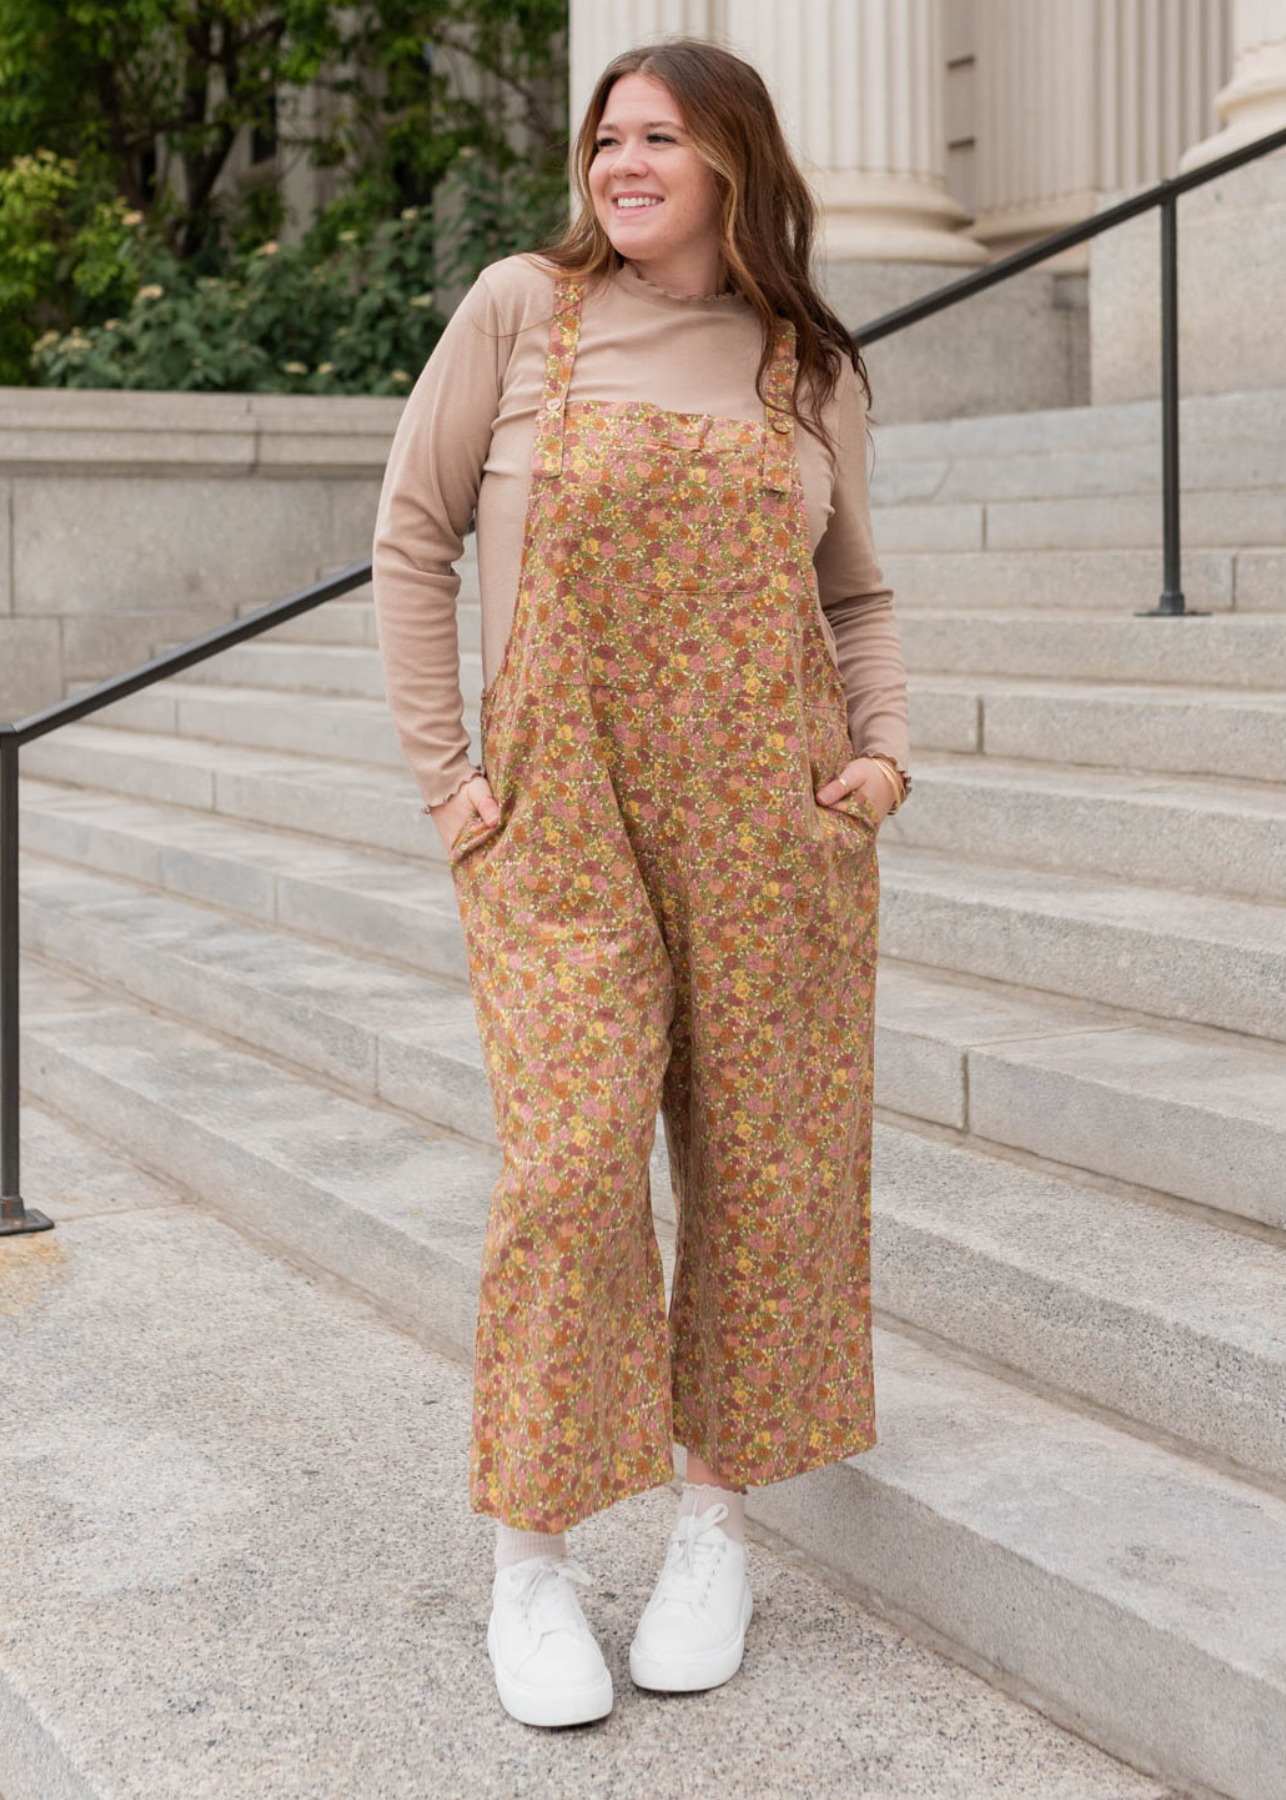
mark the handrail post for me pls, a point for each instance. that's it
(14, 1216)
(1171, 603)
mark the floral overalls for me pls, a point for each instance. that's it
(665, 917)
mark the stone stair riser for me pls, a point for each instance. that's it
(1160, 845)
(1240, 736)
(1110, 582)
(355, 672)
(1141, 966)
(1224, 1399)
(333, 730)
(1224, 421)
(1080, 522)
(1179, 1143)
(290, 795)
(1215, 652)
(1230, 986)
(1025, 1096)
(1149, 842)
(1063, 474)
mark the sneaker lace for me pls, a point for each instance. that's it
(694, 1549)
(544, 1595)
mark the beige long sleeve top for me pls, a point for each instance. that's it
(464, 444)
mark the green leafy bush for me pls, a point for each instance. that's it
(343, 312)
(133, 253)
(65, 248)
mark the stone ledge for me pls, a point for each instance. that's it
(107, 432)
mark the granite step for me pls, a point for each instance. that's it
(969, 1517)
(941, 472)
(331, 725)
(1128, 726)
(1226, 650)
(1227, 420)
(295, 667)
(1204, 833)
(1195, 1111)
(1151, 1293)
(1174, 1109)
(1206, 959)
(358, 671)
(214, 1411)
(1072, 581)
(354, 803)
(1230, 518)
(352, 621)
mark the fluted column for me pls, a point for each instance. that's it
(1254, 101)
(860, 86)
(1078, 100)
(601, 29)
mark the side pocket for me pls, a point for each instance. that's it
(856, 810)
(473, 832)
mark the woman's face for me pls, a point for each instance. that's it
(642, 150)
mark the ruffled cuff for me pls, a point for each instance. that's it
(450, 791)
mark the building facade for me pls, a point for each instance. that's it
(940, 135)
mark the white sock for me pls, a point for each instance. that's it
(514, 1544)
(700, 1497)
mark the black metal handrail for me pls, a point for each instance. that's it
(14, 1217)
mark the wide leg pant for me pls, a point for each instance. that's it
(723, 974)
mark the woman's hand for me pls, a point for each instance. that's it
(866, 776)
(452, 815)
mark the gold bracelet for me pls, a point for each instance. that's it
(901, 782)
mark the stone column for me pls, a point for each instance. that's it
(1232, 244)
(1254, 102)
(860, 86)
(601, 29)
(1077, 100)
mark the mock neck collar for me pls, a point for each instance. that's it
(628, 277)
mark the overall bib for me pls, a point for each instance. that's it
(665, 917)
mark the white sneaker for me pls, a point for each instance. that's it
(693, 1629)
(548, 1666)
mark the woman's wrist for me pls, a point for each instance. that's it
(901, 782)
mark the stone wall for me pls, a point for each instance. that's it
(128, 520)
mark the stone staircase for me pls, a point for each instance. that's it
(245, 968)
(244, 1572)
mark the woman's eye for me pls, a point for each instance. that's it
(663, 136)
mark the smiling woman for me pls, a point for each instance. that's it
(645, 166)
(693, 724)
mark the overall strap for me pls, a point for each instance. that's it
(564, 330)
(779, 426)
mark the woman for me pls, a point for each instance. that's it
(693, 725)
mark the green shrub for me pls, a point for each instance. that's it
(65, 250)
(343, 312)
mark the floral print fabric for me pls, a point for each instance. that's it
(665, 917)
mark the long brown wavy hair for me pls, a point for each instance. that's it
(767, 211)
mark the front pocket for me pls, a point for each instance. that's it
(474, 831)
(855, 808)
